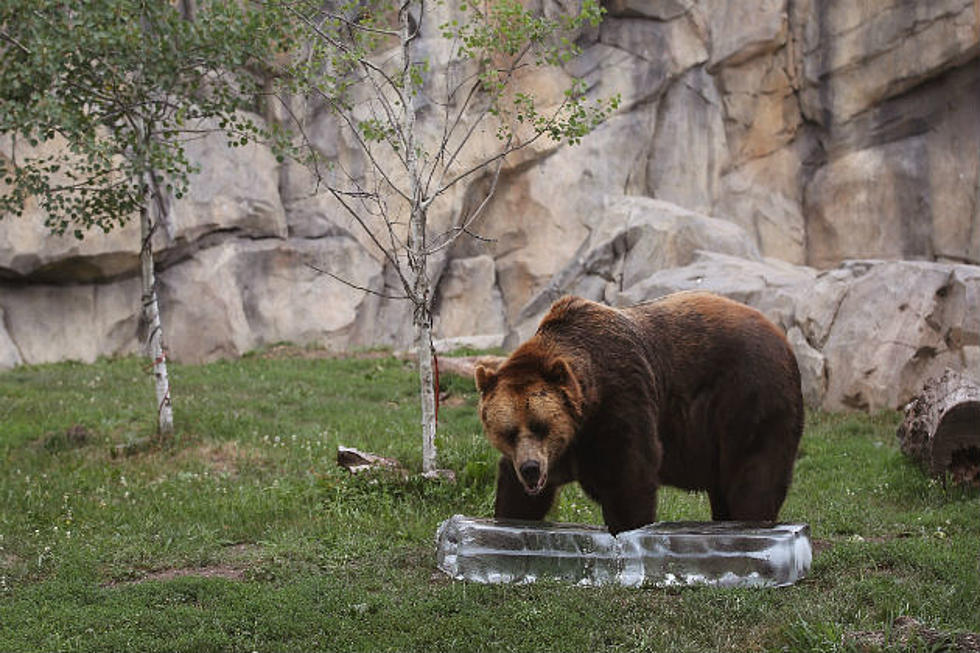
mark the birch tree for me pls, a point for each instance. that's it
(97, 101)
(364, 63)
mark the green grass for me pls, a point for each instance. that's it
(242, 534)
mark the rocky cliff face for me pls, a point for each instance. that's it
(818, 160)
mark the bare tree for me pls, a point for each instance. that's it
(366, 63)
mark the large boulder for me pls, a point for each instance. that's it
(49, 323)
(533, 228)
(912, 164)
(866, 334)
(632, 239)
(898, 323)
(769, 285)
(252, 293)
(220, 302)
(28, 249)
(235, 193)
(469, 302)
(856, 54)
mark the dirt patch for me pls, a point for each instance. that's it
(229, 572)
(239, 558)
(822, 545)
(819, 546)
(452, 401)
(316, 353)
(224, 458)
(74, 437)
(908, 633)
(9, 561)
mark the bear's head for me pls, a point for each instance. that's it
(531, 410)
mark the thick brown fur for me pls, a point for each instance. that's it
(692, 390)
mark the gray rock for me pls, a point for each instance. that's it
(897, 324)
(813, 368)
(9, 354)
(889, 182)
(857, 54)
(768, 285)
(548, 210)
(689, 150)
(764, 197)
(469, 302)
(50, 323)
(235, 193)
(634, 238)
(665, 10)
(670, 47)
(913, 165)
(743, 30)
(251, 293)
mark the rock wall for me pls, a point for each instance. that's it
(818, 160)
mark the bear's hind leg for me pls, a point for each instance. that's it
(754, 492)
(513, 502)
(754, 481)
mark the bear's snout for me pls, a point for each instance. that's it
(530, 471)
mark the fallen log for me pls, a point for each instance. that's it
(355, 461)
(465, 366)
(941, 429)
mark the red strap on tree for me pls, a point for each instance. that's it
(435, 367)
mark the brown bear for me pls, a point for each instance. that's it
(692, 390)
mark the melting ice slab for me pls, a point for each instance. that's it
(725, 554)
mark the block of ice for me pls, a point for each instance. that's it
(728, 554)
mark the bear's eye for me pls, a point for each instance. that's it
(510, 435)
(540, 429)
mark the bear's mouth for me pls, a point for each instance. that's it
(537, 488)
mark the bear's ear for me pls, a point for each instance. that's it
(485, 379)
(560, 373)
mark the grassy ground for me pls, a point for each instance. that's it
(243, 535)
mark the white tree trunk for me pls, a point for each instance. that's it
(154, 345)
(417, 254)
(428, 390)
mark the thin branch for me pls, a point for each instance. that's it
(391, 117)
(539, 132)
(448, 130)
(508, 75)
(389, 255)
(339, 45)
(7, 37)
(354, 25)
(454, 234)
(304, 136)
(350, 284)
(363, 145)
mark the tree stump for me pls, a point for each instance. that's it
(941, 429)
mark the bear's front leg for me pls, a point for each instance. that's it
(513, 502)
(626, 508)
